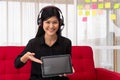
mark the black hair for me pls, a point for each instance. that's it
(46, 13)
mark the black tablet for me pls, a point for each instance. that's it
(56, 65)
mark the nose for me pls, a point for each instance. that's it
(51, 25)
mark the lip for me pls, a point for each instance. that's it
(51, 30)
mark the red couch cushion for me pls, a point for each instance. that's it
(7, 69)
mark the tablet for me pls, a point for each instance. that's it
(56, 65)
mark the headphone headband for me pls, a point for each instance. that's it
(47, 7)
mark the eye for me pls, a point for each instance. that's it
(55, 22)
(48, 22)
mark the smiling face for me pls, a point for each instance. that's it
(51, 26)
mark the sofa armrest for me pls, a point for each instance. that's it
(104, 74)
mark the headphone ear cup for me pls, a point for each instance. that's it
(61, 22)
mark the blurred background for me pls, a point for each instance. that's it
(95, 23)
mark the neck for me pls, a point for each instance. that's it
(53, 37)
(50, 40)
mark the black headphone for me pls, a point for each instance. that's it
(39, 21)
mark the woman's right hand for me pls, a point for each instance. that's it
(30, 56)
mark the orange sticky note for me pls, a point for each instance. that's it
(87, 6)
(100, 0)
(108, 5)
(113, 16)
(100, 12)
(100, 5)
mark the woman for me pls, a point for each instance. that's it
(48, 41)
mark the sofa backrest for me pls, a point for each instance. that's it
(82, 60)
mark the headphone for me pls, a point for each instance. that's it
(39, 21)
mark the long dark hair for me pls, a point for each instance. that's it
(46, 13)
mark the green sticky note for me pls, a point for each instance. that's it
(87, 13)
(108, 5)
(87, 1)
(100, 5)
(80, 7)
(116, 5)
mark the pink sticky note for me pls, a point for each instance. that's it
(94, 6)
(84, 19)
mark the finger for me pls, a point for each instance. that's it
(32, 58)
(37, 60)
(31, 54)
(73, 70)
(64, 74)
(60, 75)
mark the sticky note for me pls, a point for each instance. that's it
(94, 6)
(113, 16)
(87, 1)
(94, 12)
(84, 19)
(87, 13)
(100, 5)
(80, 7)
(100, 0)
(94, 0)
(116, 5)
(100, 11)
(87, 6)
(80, 12)
(106, 0)
(107, 5)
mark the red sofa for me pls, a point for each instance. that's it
(82, 59)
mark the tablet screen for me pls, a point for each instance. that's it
(56, 65)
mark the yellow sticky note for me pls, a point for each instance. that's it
(94, 12)
(94, 0)
(116, 5)
(87, 1)
(113, 16)
(107, 5)
(80, 12)
(80, 7)
(87, 13)
(100, 6)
